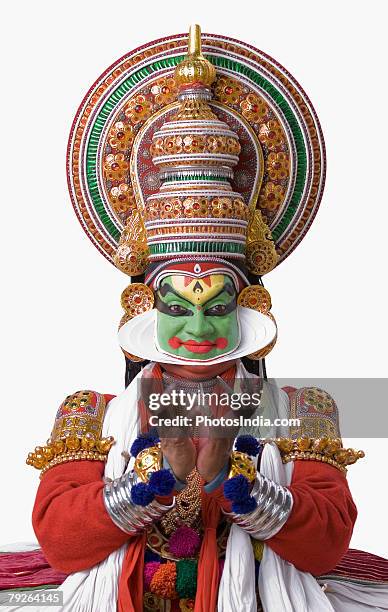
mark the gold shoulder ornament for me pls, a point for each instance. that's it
(316, 434)
(77, 433)
(326, 450)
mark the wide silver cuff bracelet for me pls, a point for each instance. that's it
(274, 504)
(126, 515)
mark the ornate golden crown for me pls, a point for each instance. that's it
(255, 104)
(196, 211)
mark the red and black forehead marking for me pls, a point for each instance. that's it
(166, 286)
(199, 268)
(205, 279)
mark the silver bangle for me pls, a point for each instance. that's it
(126, 515)
(274, 504)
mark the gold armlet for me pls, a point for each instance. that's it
(241, 463)
(151, 460)
(72, 448)
(327, 450)
(147, 461)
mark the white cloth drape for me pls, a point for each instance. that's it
(352, 597)
(281, 585)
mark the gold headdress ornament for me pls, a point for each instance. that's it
(280, 171)
(196, 215)
(196, 211)
(195, 68)
(207, 151)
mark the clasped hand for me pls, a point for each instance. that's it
(209, 455)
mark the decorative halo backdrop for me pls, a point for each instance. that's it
(141, 83)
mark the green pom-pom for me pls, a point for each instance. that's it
(186, 578)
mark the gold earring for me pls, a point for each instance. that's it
(136, 299)
(256, 298)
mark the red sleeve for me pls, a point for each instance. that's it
(318, 531)
(70, 520)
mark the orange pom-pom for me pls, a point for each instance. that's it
(163, 581)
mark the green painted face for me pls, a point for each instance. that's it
(197, 318)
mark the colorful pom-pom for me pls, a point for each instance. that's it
(150, 570)
(142, 442)
(184, 542)
(186, 580)
(141, 494)
(243, 506)
(163, 581)
(161, 482)
(249, 445)
(236, 488)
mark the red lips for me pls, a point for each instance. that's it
(198, 347)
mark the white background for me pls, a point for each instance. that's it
(60, 298)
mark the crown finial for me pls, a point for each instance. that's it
(195, 69)
(195, 47)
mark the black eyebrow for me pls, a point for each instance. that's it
(162, 306)
(166, 288)
(227, 288)
(230, 289)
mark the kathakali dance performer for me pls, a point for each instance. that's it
(196, 171)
